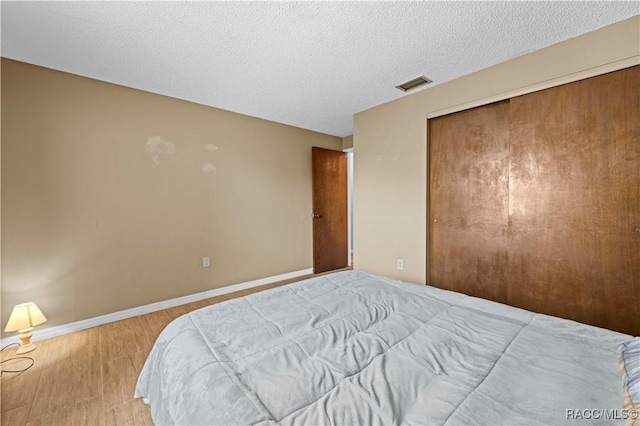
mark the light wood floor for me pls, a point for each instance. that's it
(88, 377)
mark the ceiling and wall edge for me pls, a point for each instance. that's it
(570, 78)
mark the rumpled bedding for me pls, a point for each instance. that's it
(352, 348)
(630, 353)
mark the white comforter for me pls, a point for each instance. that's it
(354, 348)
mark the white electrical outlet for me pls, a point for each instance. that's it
(400, 264)
(206, 262)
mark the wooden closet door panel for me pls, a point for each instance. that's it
(468, 201)
(574, 186)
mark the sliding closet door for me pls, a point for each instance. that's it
(535, 201)
(574, 186)
(469, 201)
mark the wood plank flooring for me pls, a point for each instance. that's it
(88, 377)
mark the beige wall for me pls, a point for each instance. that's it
(390, 141)
(347, 142)
(95, 221)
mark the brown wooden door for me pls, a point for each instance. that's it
(535, 201)
(575, 201)
(469, 201)
(330, 245)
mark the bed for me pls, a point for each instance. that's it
(356, 348)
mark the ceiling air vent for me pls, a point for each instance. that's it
(412, 84)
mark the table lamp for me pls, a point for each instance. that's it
(22, 319)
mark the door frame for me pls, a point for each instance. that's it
(349, 153)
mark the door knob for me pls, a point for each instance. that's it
(317, 216)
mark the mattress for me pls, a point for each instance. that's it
(356, 348)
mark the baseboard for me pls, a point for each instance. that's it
(59, 330)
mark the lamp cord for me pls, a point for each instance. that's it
(13, 359)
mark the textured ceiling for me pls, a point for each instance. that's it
(307, 64)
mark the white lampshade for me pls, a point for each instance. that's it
(23, 316)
